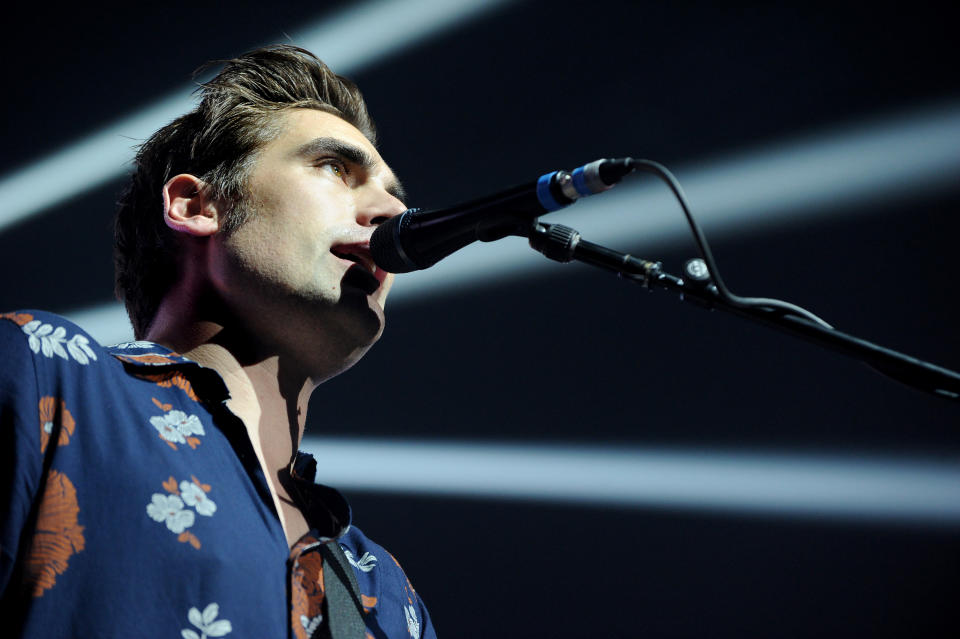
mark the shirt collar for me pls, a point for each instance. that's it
(143, 353)
(148, 358)
(326, 509)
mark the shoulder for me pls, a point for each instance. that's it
(390, 601)
(38, 348)
(41, 335)
(363, 553)
(51, 336)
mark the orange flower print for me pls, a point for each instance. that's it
(18, 318)
(172, 378)
(149, 358)
(188, 537)
(306, 581)
(58, 535)
(171, 485)
(48, 418)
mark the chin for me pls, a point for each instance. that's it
(359, 317)
(336, 338)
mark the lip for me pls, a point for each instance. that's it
(360, 251)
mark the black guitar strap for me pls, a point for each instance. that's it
(342, 594)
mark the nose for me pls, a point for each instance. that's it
(377, 206)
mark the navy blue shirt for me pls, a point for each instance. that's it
(134, 505)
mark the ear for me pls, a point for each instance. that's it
(187, 207)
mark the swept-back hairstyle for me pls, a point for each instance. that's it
(217, 142)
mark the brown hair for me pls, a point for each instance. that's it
(216, 142)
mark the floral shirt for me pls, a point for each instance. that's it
(134, 505)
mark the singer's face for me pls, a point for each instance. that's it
(301, 261)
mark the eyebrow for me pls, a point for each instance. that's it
(351, 154)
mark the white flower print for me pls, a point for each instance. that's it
(169, 508)
(195, 496)
(176, 425)
(167, 429)
(366, 563)
(207, 622)
(187, 425)
(44, 338)
(413, 624)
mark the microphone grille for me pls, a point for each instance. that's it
(386, 247)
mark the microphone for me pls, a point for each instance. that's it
(417, 239)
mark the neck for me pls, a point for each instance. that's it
(269, 388)
(270, 368)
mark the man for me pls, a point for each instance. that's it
(155, 488)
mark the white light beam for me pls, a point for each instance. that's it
(824, 487)
(809, 178)
(357, 37)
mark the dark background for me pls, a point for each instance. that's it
(572, 355)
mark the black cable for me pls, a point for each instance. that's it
(663, 173)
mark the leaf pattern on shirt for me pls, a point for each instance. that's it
(366, 563)
(58, 536)
(409, 611)
(136, 344)
(50, 413)
(413, 624)
(310, 625)
(207, 623)
(44, 338)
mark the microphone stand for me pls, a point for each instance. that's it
(563, 244)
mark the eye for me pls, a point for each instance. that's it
(334, 166)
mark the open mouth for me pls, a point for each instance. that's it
(364, 274)
(357, 254)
